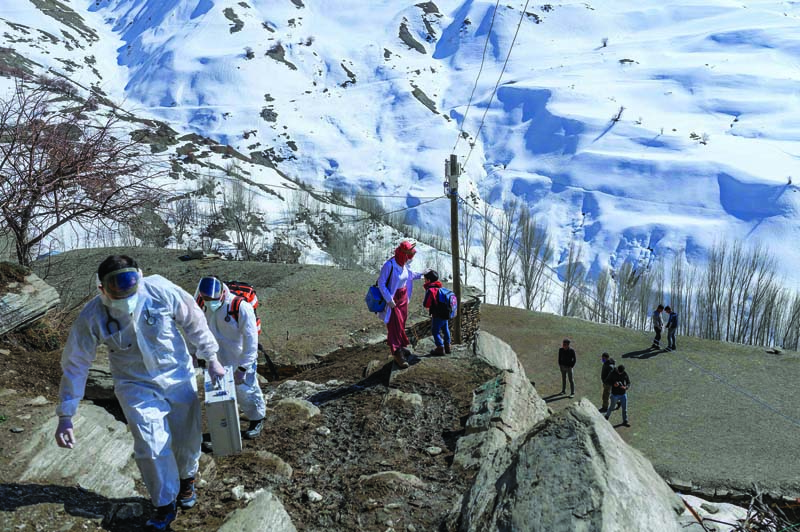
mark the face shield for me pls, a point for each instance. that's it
(209, 288)
(121, 284)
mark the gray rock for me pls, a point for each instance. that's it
(37, 401)
(26, 303)
(313, 496)
(496, 353)
(275, 463)
(392, 477)
(99, 384)
(372, 367)
(433, 450)
(581, 474)
(264, 512)
(237, 492)
(710, 507)
(323, 431)
(396, 398)
(102, 460)
(503, 409)
(17, 430)
(297, 408)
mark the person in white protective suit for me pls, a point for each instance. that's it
(236, 332)
(138, 319)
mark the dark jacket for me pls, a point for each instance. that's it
(608, 366)
(672, 321)
(619, 382)
(567, 357)
(431, 295)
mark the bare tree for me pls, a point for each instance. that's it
(243, 217)
(466, 226)
(534, 253)
(488, 237)
(599, 310)
(61, 167)
(573, 283)
(505, 251)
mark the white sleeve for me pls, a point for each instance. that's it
(76, 359)
(193, 322)
(247, 321)
(386, 272)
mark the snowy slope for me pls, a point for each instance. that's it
(335, 92)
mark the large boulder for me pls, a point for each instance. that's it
(102, 460)
(22, 303)
(264, 512)
(502, 410)
(497, 353)
(571, 472)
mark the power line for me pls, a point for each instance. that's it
(500, 77)
(475, 86)
(371, 217)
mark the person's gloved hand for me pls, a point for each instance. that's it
(216, 370)
(239, 374)
(65, 437)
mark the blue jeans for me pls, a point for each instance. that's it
(623, 402)
(440, 328)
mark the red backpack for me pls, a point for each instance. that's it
(241, 292)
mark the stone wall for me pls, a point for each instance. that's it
(470, 320)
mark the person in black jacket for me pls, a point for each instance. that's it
(620, 383)
(608, 366)
(566, 362)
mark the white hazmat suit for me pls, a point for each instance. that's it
(153, 377)
(238, 346)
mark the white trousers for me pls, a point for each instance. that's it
(166, 429)
(250, 397)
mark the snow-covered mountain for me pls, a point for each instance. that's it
(642, 128)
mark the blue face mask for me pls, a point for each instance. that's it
(127, 305)
(214, 304)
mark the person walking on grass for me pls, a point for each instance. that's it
(566, 362)
(657, 326)
(145, 323)
(620, 384)
(439, 320)
(608, 366)
(396, 282)
(672, 328)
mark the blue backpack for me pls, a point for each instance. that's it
(446, 304)
(374, 298)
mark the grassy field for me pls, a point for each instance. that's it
(719, 414)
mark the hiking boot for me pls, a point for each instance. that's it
(207, 447)
(626, 424)
(572, 395)
(163, 517)
(187, 496)
(447, 349)
(438, 352)
(254, 430)
(562, 392)
(603, 410)
(399, 359)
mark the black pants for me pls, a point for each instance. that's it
(657, 339)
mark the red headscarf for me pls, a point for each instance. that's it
(403, 252)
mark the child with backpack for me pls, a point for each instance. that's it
(437, 301)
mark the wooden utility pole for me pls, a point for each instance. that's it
(453, 171)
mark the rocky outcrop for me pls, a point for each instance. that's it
(265, 512)
(25, 302)
(102, 460)
(570, 472)
(298, 409)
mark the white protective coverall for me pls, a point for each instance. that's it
(153, 377)
(238, 346)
